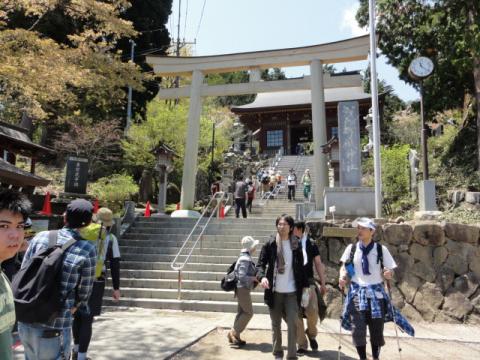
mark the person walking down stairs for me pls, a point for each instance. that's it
(246, 271)
(241, 190)
(292, 184)
(307, 184)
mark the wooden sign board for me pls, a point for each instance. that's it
(339, 232)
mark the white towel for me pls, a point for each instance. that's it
(304, 249)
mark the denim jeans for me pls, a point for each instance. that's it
(44, 346)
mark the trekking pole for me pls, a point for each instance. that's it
(340, 330)
(394, 320)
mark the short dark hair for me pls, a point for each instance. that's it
(300, 225)
(15, 202)
(289, 220)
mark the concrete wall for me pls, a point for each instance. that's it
(437, 279)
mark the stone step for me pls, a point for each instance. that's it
(208, 259)
(185, 231)
(196, 295)
(162, 238)
(187, 221)
(161, 244)
(172, 284)
(172, 274)
(127, 250)
(142, 265)
(185, 305)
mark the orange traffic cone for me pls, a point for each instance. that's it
(47, 207)
(95, 206)
(178, 206)
(222, 212)
(147, 210)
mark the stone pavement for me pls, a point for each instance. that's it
(161, 334)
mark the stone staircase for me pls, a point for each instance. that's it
(150, 245)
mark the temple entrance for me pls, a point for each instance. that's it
(300, 136)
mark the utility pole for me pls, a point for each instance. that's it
(177, 78)
(129, 104)
(375, 118)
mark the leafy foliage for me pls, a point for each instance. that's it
(117, 187)
(395, 172)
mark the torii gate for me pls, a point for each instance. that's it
(353, 49)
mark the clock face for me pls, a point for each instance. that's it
(421, 67)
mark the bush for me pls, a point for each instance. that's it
(114, 189)
(395, 172)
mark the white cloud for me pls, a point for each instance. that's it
(350, 23)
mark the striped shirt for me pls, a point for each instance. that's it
(78, 272)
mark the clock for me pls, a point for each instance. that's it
(421, 67)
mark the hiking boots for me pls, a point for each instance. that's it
(234, 339)
(313, 344)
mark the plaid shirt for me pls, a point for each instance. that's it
(369, 292)
(78, 272)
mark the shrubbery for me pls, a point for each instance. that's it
(114, 190)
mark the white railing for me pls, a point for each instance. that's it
(178, 265)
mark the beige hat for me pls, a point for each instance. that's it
(105, 216)
(249, 243)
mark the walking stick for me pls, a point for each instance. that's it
(394, 321)
(340, 330)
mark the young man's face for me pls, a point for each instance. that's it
(283, 228)
(11, 234)
(297, 232)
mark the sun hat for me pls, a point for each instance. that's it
(364, 222)
(105, 216)
(249, 243)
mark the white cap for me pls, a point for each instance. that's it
(364, 222)
(249, 243)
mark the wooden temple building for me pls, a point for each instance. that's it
(284, 119)
(14, 141)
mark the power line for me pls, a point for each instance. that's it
(201, 18)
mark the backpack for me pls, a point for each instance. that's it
(379, 254)
(36, 287)
(230, 280)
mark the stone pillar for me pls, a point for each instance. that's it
(191, 148)
(319, 130)
(349, 144)
(255, 74)
(289, 136)
(162, 188)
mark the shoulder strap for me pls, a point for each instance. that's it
(380, 255)
(352, 253)
(52, 238)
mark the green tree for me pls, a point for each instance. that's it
(168, 124)
(57, 62)
(448, 31)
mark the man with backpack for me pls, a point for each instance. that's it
(366, 264)
(14, 209)
(62, 289)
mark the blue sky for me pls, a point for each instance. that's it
(230, 26)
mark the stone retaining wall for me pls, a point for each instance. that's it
(438, 274)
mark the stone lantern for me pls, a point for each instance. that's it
(164, 165)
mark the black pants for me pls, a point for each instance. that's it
(249, 205)
(82, 330)
(240, 204)
(362, 319)
(291, 192)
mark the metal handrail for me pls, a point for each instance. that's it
(219, 196)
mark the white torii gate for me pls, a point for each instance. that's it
(315, 56)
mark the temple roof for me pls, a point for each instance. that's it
(298, 98)
(17, 139)
(12, 175)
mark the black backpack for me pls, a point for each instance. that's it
(36, 287)
(230, 280)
